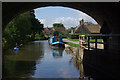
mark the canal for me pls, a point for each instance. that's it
(37, 60)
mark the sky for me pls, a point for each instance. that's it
(67, 16)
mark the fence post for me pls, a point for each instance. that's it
(88, 42)
(95, 42)
(79, 41)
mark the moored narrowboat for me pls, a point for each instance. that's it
(56, 42)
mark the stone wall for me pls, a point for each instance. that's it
(76, 52)
(104, 62)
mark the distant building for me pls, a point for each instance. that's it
(72, 30)
(61, 29)
(86, 28)
(48, 31)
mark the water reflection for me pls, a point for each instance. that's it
(57, 53)
(19, 69)
(21, 63)
(38, 60)
(76, 59)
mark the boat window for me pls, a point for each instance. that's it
(57, 39)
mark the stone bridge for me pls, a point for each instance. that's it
(101, 12)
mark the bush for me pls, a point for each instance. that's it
(63, 35)
(74, 36)
(46, 37)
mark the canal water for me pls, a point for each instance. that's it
(37, 60)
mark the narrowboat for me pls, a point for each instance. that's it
(56, 42)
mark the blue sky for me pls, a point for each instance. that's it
(68, 16)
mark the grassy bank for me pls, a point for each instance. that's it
(98, 40)
(93, 40)
(74, 39)
(72, 44)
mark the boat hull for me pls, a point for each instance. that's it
(57, 46)
(56, 42)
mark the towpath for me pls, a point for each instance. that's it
(67, 40)
(100, 46)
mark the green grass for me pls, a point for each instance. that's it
(77, 45)
(74, 39)
(72, 44)
(98, 40)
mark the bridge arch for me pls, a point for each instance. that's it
(101, 12)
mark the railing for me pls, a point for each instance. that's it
(86, 38)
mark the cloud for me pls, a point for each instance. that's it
(67, 21)
(87, 18)
(84, 16)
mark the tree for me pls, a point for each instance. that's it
(19, 28)
(58, 25)
(55, 33)
(37, 27)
